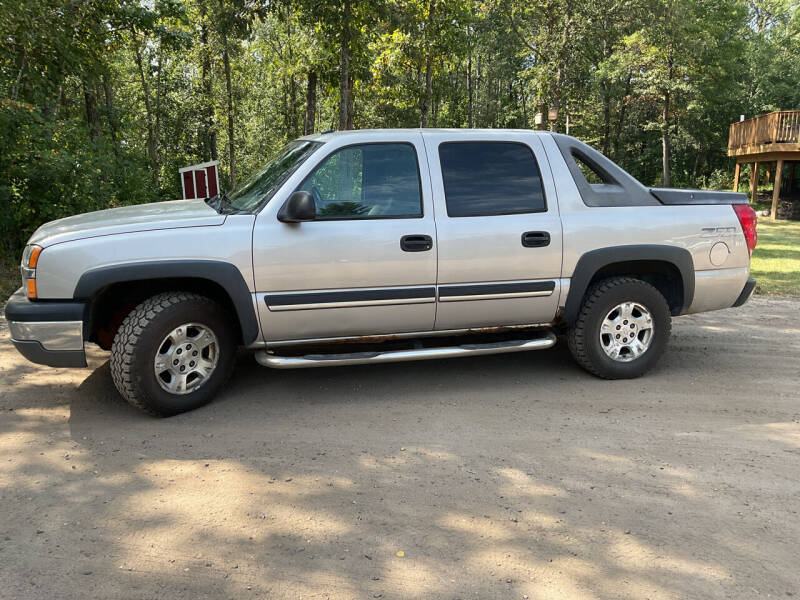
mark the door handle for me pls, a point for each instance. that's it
(416, 243)
(535, 239)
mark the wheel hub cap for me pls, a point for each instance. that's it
(626, 332)
(186, 358)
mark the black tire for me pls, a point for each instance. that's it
(603, 297)
(139, 338)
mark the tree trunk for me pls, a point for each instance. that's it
(311, 103)
(344, 71)
(470, 92)
(665, 151)
(350, 100)
(425, 105)
(477, 86)
(696, 167)
(621, 120)
(293, 124)
(22, 64)
(561, 67)
(429, 39)
(292, 120)
(159, 94)
(344, 88)
(285, 97)
(606, 117)
(226, 61)
(151, 140)
(92, 115)
(113, 126)
(209, 135)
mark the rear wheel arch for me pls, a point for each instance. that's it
(113, 291)
(669, 269)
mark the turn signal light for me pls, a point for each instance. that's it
(30, 258)
(34, 258)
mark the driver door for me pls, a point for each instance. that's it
(367, 264)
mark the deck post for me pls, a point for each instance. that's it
(776, 192)
(736, 177)
(754, 182)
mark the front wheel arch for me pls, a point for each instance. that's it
(114, 288)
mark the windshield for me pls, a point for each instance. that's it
(265, 182)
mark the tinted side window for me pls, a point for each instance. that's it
(490, 178)
(370, 181)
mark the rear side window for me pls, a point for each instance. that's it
(490, 178)
(590, 173)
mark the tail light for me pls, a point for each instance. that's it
(748, 220)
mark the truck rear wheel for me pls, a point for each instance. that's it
(622, 328)
(172, 353)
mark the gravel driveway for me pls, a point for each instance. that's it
(514, 476)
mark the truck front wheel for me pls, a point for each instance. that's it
(172, 353)
(622, 328)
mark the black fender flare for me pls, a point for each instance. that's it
(591, 262)
(222, 273)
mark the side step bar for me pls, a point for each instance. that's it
(359, 358)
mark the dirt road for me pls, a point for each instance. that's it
(497, 477)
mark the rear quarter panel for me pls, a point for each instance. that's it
(695, 228)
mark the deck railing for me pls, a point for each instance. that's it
(775, 128)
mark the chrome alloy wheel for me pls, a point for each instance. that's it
(186, 358)
(626, 332)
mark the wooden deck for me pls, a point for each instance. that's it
(762, 141)
(772, 134)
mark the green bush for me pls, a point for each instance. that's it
(49, 170)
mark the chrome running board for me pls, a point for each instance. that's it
(276, 361)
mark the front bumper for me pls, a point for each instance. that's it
(46, 332)
(747, 291)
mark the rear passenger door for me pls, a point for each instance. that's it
(498, 229)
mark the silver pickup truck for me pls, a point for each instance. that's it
(382, 246)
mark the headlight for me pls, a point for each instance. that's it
(30, 258)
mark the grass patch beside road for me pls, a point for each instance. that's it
(776, 260)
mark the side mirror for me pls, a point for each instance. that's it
(299, 207)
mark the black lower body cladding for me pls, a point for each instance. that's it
(19, 308)
(747, 291)
(36, 353)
